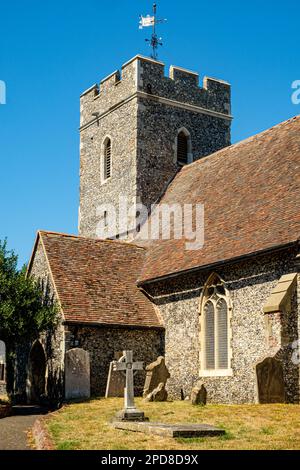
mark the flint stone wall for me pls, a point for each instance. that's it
(143, 127)
(103, 343)
(254, 334)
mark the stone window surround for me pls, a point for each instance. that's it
(102, 159)
(190, 148)
(214, 372)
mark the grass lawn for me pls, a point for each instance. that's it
(85, 426)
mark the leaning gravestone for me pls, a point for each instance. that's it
(199, 394)
(77, 374)
(156, 374)
(116, 382)
(158, 394)
(270, 381)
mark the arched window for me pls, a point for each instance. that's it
(183, 147)
(107, 159)
(215, 324)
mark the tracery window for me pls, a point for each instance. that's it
(215, 326)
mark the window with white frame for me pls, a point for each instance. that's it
(215, 324)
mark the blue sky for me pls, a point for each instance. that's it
(51, 51)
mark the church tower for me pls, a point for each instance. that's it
(137, 130)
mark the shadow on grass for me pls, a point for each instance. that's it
(228, 436)
(78, 401)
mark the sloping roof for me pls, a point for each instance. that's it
(95, 280)
(251, 197)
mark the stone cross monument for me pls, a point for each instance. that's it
(126, 364)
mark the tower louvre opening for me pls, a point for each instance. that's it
(107, 160)
(182, 149)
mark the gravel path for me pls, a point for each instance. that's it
(13, 430)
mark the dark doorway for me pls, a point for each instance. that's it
(36, 374)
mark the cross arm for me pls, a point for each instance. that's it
(119, 365)
(138, 366)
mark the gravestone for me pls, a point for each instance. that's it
(156, 373)
(126, 366)
(270, 381)
(115, 382)
(77, 374)
(199, 394)
(158, 394)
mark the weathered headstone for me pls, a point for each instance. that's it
(199, 394)
(77, 374)
(115, 382)
(156, 373)
(270, 381)
(127, 366)
(158, 394)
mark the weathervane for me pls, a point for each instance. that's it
(155, 41)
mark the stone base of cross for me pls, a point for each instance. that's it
(127, 366)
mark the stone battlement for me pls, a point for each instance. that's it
(145, 77)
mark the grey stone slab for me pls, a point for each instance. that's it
(77, 374)
(171, 430)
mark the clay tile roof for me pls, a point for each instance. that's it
(96, 280)
(251, 197)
